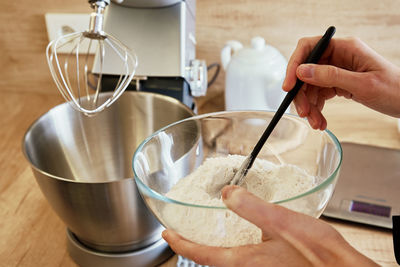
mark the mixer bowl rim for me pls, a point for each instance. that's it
(154, 194)
(41, 117)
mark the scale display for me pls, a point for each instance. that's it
(368, 208)
(368, 188)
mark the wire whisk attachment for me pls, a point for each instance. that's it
(73, 71)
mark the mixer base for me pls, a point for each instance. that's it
(152, 255)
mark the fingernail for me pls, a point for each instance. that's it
(227, 191)
(311, 121)
(284, 84)
(306, 71)
(164, 234)
(323, 125)
(299, 111)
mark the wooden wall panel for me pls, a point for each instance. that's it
(23, 40)
(23, 36)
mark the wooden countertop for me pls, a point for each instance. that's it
(32, 235)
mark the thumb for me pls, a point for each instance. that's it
(331, 76)
(274, 220)
(270, 218)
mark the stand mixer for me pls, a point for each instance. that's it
(161, 32)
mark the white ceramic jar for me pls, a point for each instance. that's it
(254, 75)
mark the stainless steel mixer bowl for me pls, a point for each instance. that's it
(83, 167)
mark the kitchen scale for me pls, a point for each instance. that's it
(368, 189)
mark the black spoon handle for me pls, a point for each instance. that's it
(314, 57)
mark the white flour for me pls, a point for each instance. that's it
(221, 227)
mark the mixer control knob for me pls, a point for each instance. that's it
(197, 77)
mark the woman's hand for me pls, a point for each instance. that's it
(348, 68)
(288, 239)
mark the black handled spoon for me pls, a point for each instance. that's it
(314, 57)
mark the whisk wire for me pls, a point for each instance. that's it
(52, 56)
(126, 78)
(86, 71)
(62, 78)
(98, 87)
(122, 77)
(77, 65)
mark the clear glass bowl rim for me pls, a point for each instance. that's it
(150, 192)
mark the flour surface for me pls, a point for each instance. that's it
(220, 227)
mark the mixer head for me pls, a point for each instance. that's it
(72, 71)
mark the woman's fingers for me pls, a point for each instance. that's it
(324, 82)
(309, 103)
(316, 119)
(298, 235)
(329, 76)
(270, 218)
(303, 232)
(204, 255)
(304, 47)
(271, 252)
(302, 104)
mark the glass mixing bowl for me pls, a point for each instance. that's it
(175, 151)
